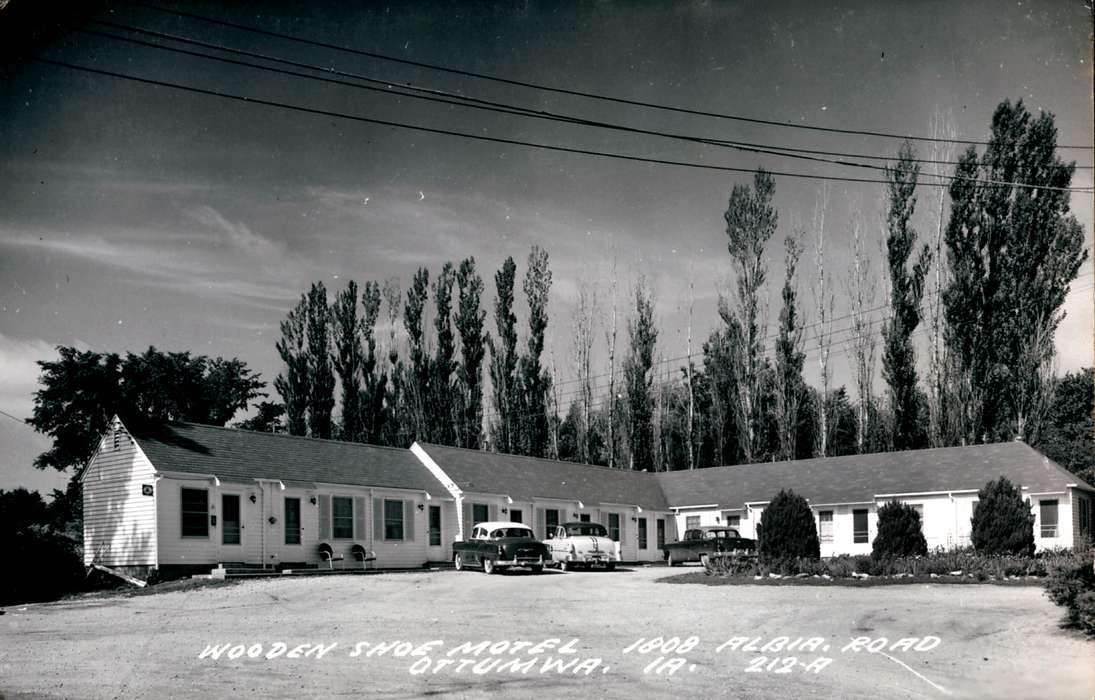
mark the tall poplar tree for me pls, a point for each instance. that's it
(374, 392)
(503, 358)
(750, 222)
(321, 377)
(906, 291)
(440, 407)
(469, 324)
(348, 360)
(789, 355)
(1013, 248)
(292, 385)
(417, 385)
(643, 336)
(535, 381)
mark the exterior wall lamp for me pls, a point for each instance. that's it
(252, 497)
(504, 509)
(312, 500)
(421, 507)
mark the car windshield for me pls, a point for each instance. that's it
(511, 532)
(587, 529)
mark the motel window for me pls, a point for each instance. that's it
(393, 520)
(516, 516)
(859, 526)
(292, 521)
(825, 525)
(731, 520)
(195, 513)
(642, 533)
(1049, 518)
(614, 527)
(583, 518)
(342, 517)
(691, 522)
(480, 513)
(435, 526)
(661, 532)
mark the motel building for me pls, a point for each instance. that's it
(186, 498)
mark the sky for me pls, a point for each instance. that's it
(135, 215)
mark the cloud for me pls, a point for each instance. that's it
(238, 235)
(19, 372)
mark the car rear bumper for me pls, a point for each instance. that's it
(599, 558)
(520, 561)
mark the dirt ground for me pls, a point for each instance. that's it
(992, 641)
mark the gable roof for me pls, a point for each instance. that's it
(243, 455)
(526, 478)
(859, 478)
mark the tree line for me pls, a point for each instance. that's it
(1002, 262)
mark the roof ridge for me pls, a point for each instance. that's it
(286, 435)
(541, 459)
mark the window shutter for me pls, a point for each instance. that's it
(325, 517)
(378, 519)
(408, 521)
(541, 523)
(623, 529)
(468, 524)
(493, 511)
(359, 517)
(604, 518)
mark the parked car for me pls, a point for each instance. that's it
(582, 544)
(700, 542)
(500, 545)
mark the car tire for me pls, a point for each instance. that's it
(703, 560)
(563, 565)
(488, 566)
(669, 559)
(458, 562)
(537, 569)
(610, 566)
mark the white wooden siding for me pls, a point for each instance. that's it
(119, 521)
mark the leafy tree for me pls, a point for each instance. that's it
(469, 324)
(348, 360)
(535, 381)
(503, 362)
(787, 530)
(717, 390)
(82, 391)
(1013, 250)
(1002, 521)
(899, 533)
(293, 385)
(397, 425)
(750, 222)
(266, 420)
(906, 292)
(417, 384)
(374, 392)
(321, 376)
(643, 335)
(789, 357)
(1069, 436)
(49, 565)
(440, 407)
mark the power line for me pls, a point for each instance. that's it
(452, 98)
(489, 139)
(558, 90)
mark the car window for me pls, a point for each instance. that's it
(511, 532)
(587, 529)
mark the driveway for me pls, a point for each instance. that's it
(564, 635)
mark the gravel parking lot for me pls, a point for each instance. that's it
(974, 640)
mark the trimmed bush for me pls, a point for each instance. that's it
(1002, 521)
(899, 533)
(1071, 584)
(787, 531)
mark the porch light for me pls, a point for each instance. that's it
(421, 507)
(312, 500)
(252, 498)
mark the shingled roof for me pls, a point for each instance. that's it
(526, 478)
(860, 478)
(242, 455)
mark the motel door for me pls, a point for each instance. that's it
(231, 528)
(436, 550)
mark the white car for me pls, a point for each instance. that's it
(582, 544)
